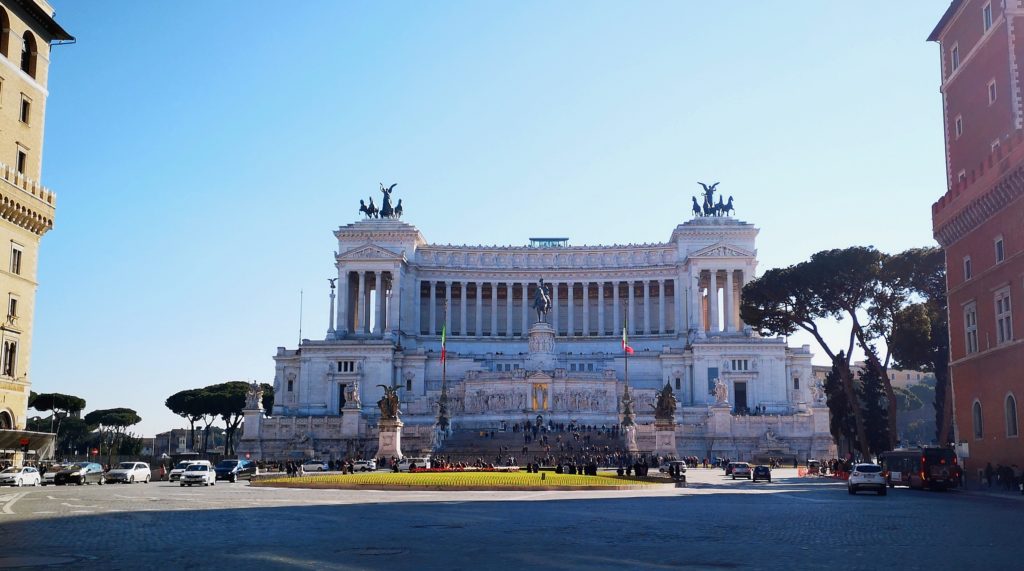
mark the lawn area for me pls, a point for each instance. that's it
(459, 480)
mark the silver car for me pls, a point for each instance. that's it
(129, 473)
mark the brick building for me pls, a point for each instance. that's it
(980, 222)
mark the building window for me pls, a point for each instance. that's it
(991, 92)
(1004, 320)
(26, 107)
(971, 327)
(408, 385)
(979, 429)
(954, 56)
(1011, 416)
(961, 176)
(22, 160)
(994, 146)
(15, 259)
(10, 358)
(679, 383)
(740, 364)
(572, 367)
(346, 366)
(1000, 253)
(986, 16)
(291, 385)
(796, 383)
(968, 273)
(28, 54)
(959, 126)
(12, 310)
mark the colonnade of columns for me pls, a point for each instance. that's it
(368, 302)
(579, 307)
(718, 292)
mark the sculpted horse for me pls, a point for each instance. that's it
(720, 207)
(727, 207)
(696, 207)
(398, 208)
(370, 211)
(541, 301)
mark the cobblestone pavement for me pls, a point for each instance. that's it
(715, 523)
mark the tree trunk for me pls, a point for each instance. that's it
(846, 377)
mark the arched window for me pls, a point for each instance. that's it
(1011, 416)
(5, 30)
(28, 54)
(979, 429)
(6, 421)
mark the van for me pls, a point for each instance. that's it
(407, 462)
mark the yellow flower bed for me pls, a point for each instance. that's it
(488, 480)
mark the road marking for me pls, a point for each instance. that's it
(10, 502)
(73, 506)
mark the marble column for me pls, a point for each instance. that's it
(713, 301)
(342, 303)
(419, 307)
(745, 277)
(616, 310)
(678, 294)
(361, 300)
(696, 315)
(647, 307)
(586, 308)
(494, 309)
(661, 306)
(631, 308)
(508, 309)
(730, 303)
(479, 331)
(525, 300)
(571, 311)
(447, 307)
(395, 301)
(600, 309)
(433, 308)
(462, 308)
(378, 318)
(554, 306)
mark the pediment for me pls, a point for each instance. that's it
(370, 252)
(722, 250)
(538, 376)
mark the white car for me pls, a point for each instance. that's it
(364, 465)
(199, 474)
(179, 468)
(314, 466)
(866, 476)
(129, 473)
(24, 476)
(407, 462)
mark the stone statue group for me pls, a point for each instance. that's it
(709, 207)
(385, 211)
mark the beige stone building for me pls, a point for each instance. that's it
(27, 32)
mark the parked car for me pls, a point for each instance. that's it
(51, 473)
(80, 473)
(666, 467)
(762, 473)
(741, 469)
(315, 466)
(234, 470)
(129, 473)
(180, 467)
(729, 467)
(364, 465)
(24, 476)
(866, 476)
(198, 473)
(406, 463)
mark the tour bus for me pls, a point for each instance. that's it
(934, 468)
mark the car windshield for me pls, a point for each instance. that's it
(869, 468)
(79, 465)
(196, 468)
(181, 465)
(10, 471)
(227, 463)
(126, 465)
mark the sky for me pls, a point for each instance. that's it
(203, 153)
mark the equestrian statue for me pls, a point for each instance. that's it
(708, 207)
(542, 301)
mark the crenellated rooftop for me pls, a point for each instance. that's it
(25, 202)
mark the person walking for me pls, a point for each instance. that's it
(990, 474)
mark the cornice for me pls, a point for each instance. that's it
(24, 203)
(1009, 188)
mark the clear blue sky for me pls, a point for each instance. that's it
(203, 152)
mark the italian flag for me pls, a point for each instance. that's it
(442, 343)
(625, 344)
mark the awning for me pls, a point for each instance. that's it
(40, 444)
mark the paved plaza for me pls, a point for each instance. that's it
(715, 523)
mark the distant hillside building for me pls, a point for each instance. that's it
(980, 222)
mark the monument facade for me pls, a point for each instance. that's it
(536, 332)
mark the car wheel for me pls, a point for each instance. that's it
(37, 483)
(81, 482)
(131, 479)
(234, 478)
(146, 481)
(100, 481)
(17, 483)
(213, 483)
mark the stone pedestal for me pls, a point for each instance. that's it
(631, 445)
(542, 348)
(389, 440)
(350, 422)
(665, 438)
